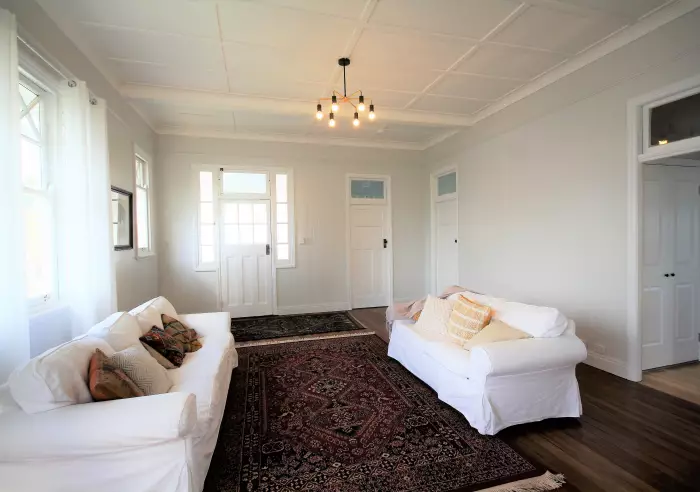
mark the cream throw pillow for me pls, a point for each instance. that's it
(467, 319)
(142, 369)
(496, 331)
(435, 315)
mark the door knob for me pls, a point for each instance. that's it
(385, 243)
(267, 251)
(666, 275)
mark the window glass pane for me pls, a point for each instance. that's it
(282, 251)
(447, 184)
(260, 234)
(260, 213)
(245, 211)
(282, 233)
(141, 173)
(142, 218)
(38, 244)
(206, 237)
(27, 94)
(231, 234)
(206, 214)
(282, 213)
(207, 254)
(28, 130)
(281, 187)
(246, 234)
(248, 183)
(230, 213)
(35, 115)
(205, 186)
(367, 188)
(31, 164)
(677, 120)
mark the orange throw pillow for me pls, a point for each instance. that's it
(467, 319)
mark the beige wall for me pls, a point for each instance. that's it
(319, 279)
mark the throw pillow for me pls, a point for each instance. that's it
(182, 333)
(435, 315)
(165, 345)
(159, 358)
(108, 382)
(467, 319)
(149, 376)
(495, 331)
(416, 316)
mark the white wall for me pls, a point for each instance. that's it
(543, 189)
(319, 279)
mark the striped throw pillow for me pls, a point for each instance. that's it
(467, 319)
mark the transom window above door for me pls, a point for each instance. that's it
(243, 184)
(365, 190)
(447, 184)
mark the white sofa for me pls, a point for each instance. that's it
(504, 383)
(153, 443)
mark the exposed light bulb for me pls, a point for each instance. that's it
(319, 112)
(361, 105)
(356, 120)
(371, 112)
(663, 142)
(334, 104)
(331, 120)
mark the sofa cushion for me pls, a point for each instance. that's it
(148, 318)
(119, 330)
(538, 321)
(58, 377)
(165, 345)
(108, 382)
(467, 319)
(435, 315)
(160, 303)
(144, 370)
(495, 331)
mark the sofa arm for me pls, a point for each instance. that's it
(208, 323)
(98, 427)
(529, 355)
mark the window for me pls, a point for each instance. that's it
(447, 184)
(38, 200)
(367, 189)
(143, 206)
(282, 221)
(244, 184)
(207, 248)
(675, 121)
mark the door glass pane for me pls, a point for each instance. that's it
(231, 234)
(245, 211)
(282, 233)
(260, 213)
(31, 164)
(282, 213)
(231, 213)
(246, 234)
(142, 217)
(206, 214)
(282, 251)
(244, 183)
(281, 187)
(446, 184)
(367, 188)
(205, 186)
(207, 254)
(207, 235)
(260, 233)
(677, 120)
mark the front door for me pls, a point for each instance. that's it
(671, 268)
(369, 259)
(246, 260)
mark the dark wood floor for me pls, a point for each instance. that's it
(630, 437)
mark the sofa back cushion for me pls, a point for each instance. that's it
(119, 330)
(160, 303)
(537, 321)
(148, 318)
(58, 377)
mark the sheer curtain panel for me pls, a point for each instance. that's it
(14, 323)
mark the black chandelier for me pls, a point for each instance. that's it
(355, 100)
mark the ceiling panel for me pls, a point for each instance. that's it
(398, 49)
(367, 78)
(274, 85)
(263, 60)
(509, 61)
(554, 30)
(159, 75)
(388, 99)
(350, 9)
(474, 86)
(451, 105)
(398, 132)
(170, 16)
(469, 18)
(167, 115)
(254, 122)
(289, 29)
(632, 9)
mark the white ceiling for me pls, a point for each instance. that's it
(430, 66)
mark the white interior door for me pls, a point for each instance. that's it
(246, 260)
(446, 255)
(369, 255)
(671, 267)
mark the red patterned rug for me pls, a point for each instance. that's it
(340, 415)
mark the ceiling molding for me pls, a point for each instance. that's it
(233, 102)
(616, 41)
(302, 139)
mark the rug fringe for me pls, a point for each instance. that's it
(548, 481)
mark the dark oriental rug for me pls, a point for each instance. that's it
(267, 327)
(340, 415)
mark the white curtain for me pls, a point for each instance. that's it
(14, 323)
(85, 270)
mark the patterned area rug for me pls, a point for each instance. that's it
(267, 327)
(340, 415)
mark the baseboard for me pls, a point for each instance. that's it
(607, 364)
(313, 308)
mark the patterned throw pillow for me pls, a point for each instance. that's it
(165, 345)
(467, 319)
(159, 358)
(182, 333)
(108, 382)
(149, 376)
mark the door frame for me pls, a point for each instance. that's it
(434, 199)
(638, 153)
(386, 203)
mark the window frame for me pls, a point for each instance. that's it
(672, 148)
(145, 158)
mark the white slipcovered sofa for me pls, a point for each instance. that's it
(504, 383)
(153, 443)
